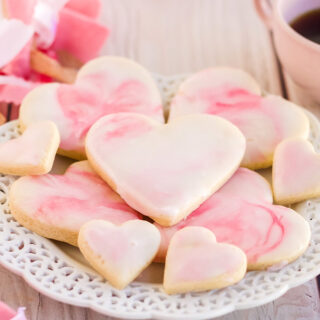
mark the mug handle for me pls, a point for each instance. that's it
(264, 10)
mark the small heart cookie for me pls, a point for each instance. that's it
(56, 206)
(296, 172)
(119, 253)
(234, 95)
(32, 153)
(164, 171)
(196, 262)
(104, 85)
(241, 213)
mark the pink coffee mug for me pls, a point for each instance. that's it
(299, 56)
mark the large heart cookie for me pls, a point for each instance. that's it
(196, 262)
(164, 171)
(295, 172)
(241, 213)
(56, 206)
(103, 86)
(32, 153)
(235, 96)
(119, 253)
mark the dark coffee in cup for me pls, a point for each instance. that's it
(308, 25)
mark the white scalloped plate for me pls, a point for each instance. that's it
(60, 272)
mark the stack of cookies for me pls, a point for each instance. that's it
(181, 192)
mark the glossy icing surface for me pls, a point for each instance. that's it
(31, 149)
(70, 200)
(105, 85)
(164, 171)
(241, 213)
(233, 95)
(121, 252)
(195, 258)
(296, 171)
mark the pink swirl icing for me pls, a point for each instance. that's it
(237, 214)
(90, 99)
(74, 198)
(233, 95)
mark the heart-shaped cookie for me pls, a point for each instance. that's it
(295, 172)
(241, 213)
(104, 85)
(56, 206)
(32, 153)
(196, 262)
(119, 253)
(235, 96)
(164, 171)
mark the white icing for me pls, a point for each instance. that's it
(165, 171)
(122, 251)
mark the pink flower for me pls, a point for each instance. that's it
(39, 35)
(7, 313)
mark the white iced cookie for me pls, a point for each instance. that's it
(241, 213)
(234, 95)
(296, 172)
(32, 153)
(103, 86)
(196, 262)
(164, 171)
(119, 253)
(56, 206)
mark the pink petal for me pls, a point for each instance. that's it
(19, 9)
(9, 30)
(85, 40)
(45, 21)
(20, 315)
(6, 313)
(20, 65)
(90, 8)
(14, 89)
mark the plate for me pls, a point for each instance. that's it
(60, 272)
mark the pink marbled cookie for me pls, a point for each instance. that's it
(56, 206)
(295, 172)
(164, 171)
(234, 95)
(241, 213)
(196, 262)
(119, 253)
(33, 152)
(104, 85)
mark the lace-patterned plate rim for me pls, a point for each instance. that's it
(51, 271)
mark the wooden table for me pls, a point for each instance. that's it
(175, 36)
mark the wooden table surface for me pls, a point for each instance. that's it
(175, 36)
